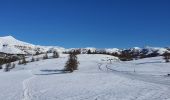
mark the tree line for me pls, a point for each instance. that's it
(126, 55)
(9, 62)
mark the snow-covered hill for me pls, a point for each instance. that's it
(10, 45)
(99, 77)
(134, 52)
(96, 79)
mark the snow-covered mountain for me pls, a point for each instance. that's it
(135, 50)
(10, 45)
(107, 76)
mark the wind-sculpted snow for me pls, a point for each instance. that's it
(99, 77)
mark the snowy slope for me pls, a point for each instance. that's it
(12, 41)
(113, 50)
(158, 49)
(10, 49)
(9, 44)
(96, 79)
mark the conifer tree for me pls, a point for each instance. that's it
(72, 63)
(24, 61)
(32, 59)
(13, 66)
(55, 54)
(7, 67)
(0, 66)
(166, 56)
(45, 56)
(19, 63)
(89, 52)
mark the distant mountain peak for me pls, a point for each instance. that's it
(12, 44)
(9, 37)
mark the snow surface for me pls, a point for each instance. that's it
(10, 49)
(99, 77)
(113, 50)
(12, 41)
(160, 50)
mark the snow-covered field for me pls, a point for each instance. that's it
(97, 78)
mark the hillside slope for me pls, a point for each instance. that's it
(10, 45)
(96, 79)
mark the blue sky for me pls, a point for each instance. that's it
(87, 23)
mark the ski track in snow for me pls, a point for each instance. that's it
(26, 89)
(160, 95)
(29, 94)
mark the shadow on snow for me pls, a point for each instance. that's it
(52, 72)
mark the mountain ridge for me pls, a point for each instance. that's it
(11, 45)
